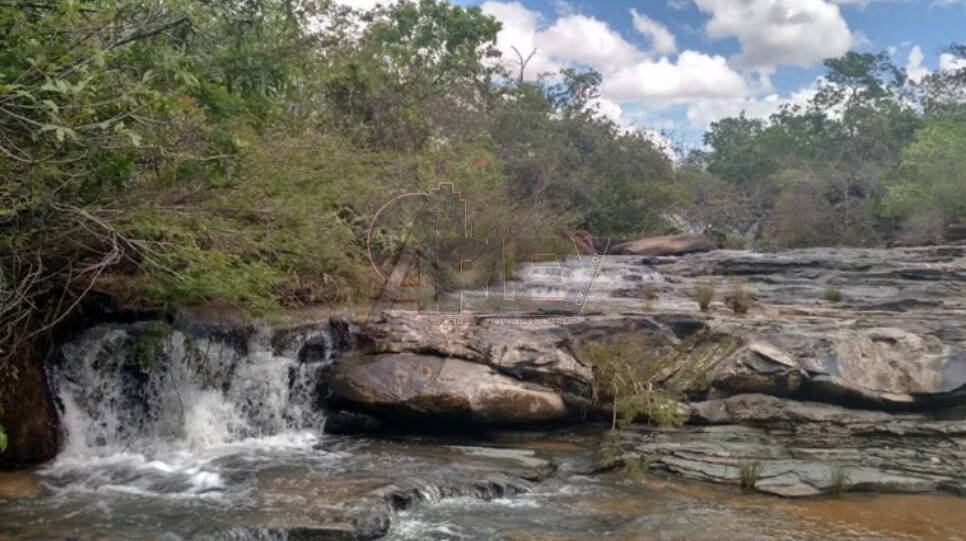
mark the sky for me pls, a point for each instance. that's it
(675, 66)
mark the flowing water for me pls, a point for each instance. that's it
(170, 437)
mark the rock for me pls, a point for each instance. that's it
(408, 389)
(350, 422)
(27, 413)
(20, 485)
(789, 455)
(798, 449)
(878, 367)
(667, 245)
(955, 232)
(539, 356)
(758, 409)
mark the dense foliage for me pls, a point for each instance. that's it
(169, 152)
(873, 158)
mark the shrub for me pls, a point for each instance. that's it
(734, 241)
(643, 379)
(838, 479)
(739, 300)
(649, 292)
(832, 294)
(703, 294)
(748, 474)
(626, 369)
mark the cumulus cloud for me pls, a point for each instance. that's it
(648, 80)
(693, 75)
(914, 68)
(586, 40)
(702, 113)
(630, 74)
(776, 32)
(662, 40)
(951, 62)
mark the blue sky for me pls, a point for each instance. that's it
(677, 65)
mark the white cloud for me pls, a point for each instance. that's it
(586, 40)
(520, 32)
(693, 75)
(702, 113)
(640, 83)
(776, 32)
(914, 68)
(951, 62)
(860, 3)
(662, 40)
(364, 5)
(629, 73)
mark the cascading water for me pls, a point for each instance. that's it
(150, 409)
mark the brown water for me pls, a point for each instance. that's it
(287, 487)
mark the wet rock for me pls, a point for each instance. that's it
(20, 485)
(408, 389)
(28, 415)
(667, 245)
(350, 422)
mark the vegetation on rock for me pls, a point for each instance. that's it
(640, 379)
(703, 295)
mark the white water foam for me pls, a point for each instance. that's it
(158, 413)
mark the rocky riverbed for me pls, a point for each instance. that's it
(809, 393)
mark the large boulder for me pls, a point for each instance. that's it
(541, 356)
(884, 368)
(411, 368)
(667, 245)
(407, 387)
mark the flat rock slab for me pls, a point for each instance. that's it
(798, 449)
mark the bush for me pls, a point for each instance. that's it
(739, 300)
(644, 379)
(838, 479)
(748, 474)
(703, 295)
(832, 294)
(649, 292)
(733, 241)
(626, 371)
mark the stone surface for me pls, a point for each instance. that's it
(411, 389)
(666, 245)
(27, 413)
(878, 367)
(20, 485)
(541, 356)
(802, 449)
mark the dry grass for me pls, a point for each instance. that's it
(703, 295)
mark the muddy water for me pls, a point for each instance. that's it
(274, 491)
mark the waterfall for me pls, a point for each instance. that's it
(160, 404)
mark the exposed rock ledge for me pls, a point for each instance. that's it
(796, 449)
